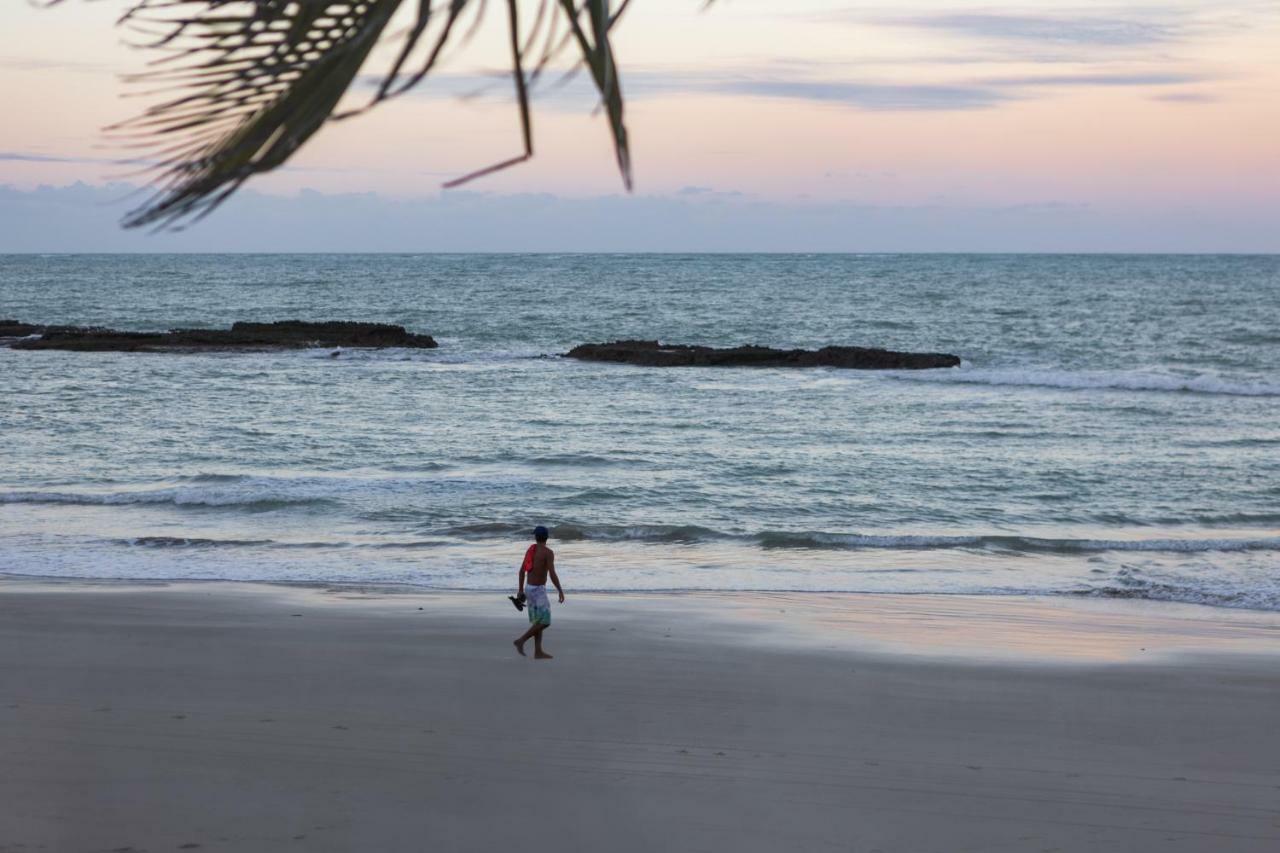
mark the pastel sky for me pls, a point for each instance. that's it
(1125, 108)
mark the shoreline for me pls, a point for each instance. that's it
(1011, 628)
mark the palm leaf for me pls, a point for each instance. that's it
(249, 81)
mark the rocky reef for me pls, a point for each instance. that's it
(14, 329)
(654, 354)
(285, 334)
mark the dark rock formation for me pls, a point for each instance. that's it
(286, 334)
(654, 354)
(14, 329)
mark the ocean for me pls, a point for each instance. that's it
(1114, 430)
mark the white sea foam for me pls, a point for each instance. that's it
(1132, 583)
(326, 563)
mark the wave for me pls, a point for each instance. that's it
(1221, 519)
(1031, 544)
(452, 355)
(570, 460)
(854, 541)
(191, 542)
(178, 496)
(263, 492)
(1253, 338)
(1232, 443)
(1094, 381)
(1242, 599)
(820, 541)
(1129, 584)
(657, 533)
(692, 534)
(184, 542)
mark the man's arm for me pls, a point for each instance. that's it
(551, 570)
(520, 581)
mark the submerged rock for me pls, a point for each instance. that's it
(285, 334)
(654, 354)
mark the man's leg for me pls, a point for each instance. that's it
(524, 638)
(537, 644)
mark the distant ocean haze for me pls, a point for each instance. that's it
(1114, 430)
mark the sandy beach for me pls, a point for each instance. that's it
(263, 718)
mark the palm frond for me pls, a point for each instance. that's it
(248, 82)
(255, 80)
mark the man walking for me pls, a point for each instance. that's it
(539, 564)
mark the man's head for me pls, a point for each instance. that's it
(540, 533)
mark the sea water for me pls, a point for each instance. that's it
(1114, 429)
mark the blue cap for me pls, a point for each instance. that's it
(541, 532)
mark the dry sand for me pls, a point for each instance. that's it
(223, 717)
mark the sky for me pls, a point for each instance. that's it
(920, 125)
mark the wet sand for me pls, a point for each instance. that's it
(258, 718)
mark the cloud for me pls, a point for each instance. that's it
(790, 83)
(1185, 97)
(37, 157)
(34, 157)
(976, 94)
(766, 83)
(961, 95)
(1064, 30)
(867, 96)
(30, 63)
(82, 218)
(1103, 79)
(708, 193)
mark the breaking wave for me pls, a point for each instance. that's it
(1130, 583)
(670, 533)
(191, 542)
(694, 534)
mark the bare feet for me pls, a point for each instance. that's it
(519, 647)
(540, 656)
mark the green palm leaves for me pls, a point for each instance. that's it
(247, 82)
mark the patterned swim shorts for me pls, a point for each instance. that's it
(537, 604)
